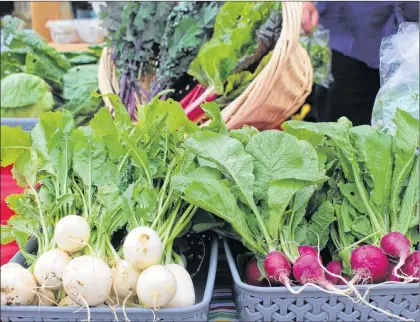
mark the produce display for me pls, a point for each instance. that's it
(37, 78)
(111, 195)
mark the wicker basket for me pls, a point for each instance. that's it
(273, 96)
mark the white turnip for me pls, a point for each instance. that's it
(156, 286)
(125, 278)
(87, 280)
(72, 233)
(44, 297)
(17, 285)
(142, 247)
(49, 267)
(185, 293)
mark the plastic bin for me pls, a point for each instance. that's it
(278, 304)
(203, 282)
(27, 124)
(77, 30)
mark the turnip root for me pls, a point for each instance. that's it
(156, 286)
(125, 278)
(67, 301)
(397, 246)
(335, 268)
(142, 247)
(305, 249)
(17, 285)
(411, 266)
(72, 233)
(49, 267)
(185, 293)
(44, 298)
(277, 267)
(87, 280)
(253, 275)
(369, 262)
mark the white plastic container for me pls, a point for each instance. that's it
(63, 31)
(78, 30)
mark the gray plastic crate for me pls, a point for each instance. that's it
(27, 124)
(198, 312)
(278, 304)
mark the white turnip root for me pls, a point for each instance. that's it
(67, 301)
(44, 298)
(72, 233)
(17, 285)
(87, 280)
(185, 293)
(49, 267)
(370, 263)
(125, 278)
(156, 286)
(142, 247)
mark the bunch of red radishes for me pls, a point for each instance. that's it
(369, 263)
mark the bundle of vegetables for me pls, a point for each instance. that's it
(374, 189)
(244, 35)
(156, 42)
(35, 78)
(85, 184)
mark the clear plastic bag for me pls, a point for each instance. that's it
(399, 69)
(317, 46)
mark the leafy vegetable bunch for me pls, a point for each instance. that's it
(373, 180)
(35, 78)
(155, 41)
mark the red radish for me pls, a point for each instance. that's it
(341, 282)
(335, 268)
(305, 249)
(277, 267)
(369, 262)
(307, 269)
(411, 266)
(391, 276)
(252, 274)
(397, 246)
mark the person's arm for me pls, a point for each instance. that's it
(310, 16)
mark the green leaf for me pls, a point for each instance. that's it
(6, 235)
(25, 169)
(37, 63)
(14, 141)
(12, 62)
(186, 35)
(278, 155)
(318, 225)
(244, 134)
(375, 151)
(22, 90)
(408, 216)
(217, 124)
(405, 143)
(228, 155)
(216, 198)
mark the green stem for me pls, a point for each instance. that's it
(85, 208)
(41, 219)
(171, 219)
(168, 253)
(183, 222)
(116, 258)
(177, 258)
(264, 230)
(363, 195)
(163, 209)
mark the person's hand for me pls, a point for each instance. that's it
(310, 16)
